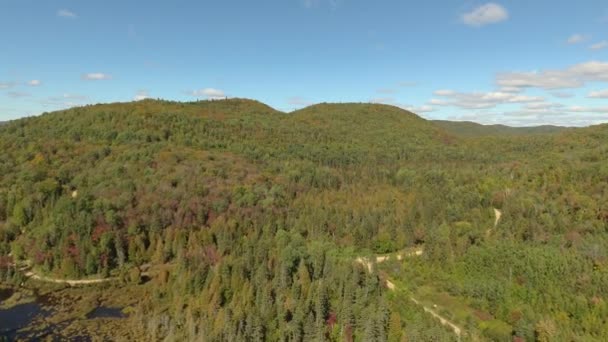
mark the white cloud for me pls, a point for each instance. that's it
(572, 77)
(535, 112)
(593, 71)
(582, 109)
(141, 95)
(209, 93)
(391, 101)
(66, 13)
(419, 109)
(34, 83)
(74, 97)
(600, 94)
(96, 76)
(510, 90)
(383, 100)
(386, 91)
(545, 80)
(561, 116)
(444, 92)
(66, 100)
(17, 94)
(479, 100)
(598, 46)
(6, 85)
(562, 95)
(543, 106)
(438, 102)
(298, 101)
(489, 13)
(576, 38)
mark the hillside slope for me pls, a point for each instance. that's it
(368, 122)
(257, 217)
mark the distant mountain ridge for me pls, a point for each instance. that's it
(470, 129)
(242, 105)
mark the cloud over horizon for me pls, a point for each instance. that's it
(6, 85)
(299, 101)
(141, 95)
(600, 45)
(209, 93)
(480, 100)
(490, 13)
(17, 94)
(576, 38)
(553, 114)
(96, 76)
(393, 102)
(65, 100)
(600, 94)
(64, 13)
(574, 76)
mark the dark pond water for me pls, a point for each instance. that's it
(18, 316)
(22, 315)
(106, 312)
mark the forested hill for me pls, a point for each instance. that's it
(473, 129)
(259, 215)
(246, 126)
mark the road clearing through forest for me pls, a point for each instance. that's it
(498, 215)
(72, 282)
(391, 286)
(444, 321)
(25, 267)
(382, 258)
(29, 273)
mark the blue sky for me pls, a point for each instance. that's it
(513, 62)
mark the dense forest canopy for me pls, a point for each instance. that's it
(261, 214)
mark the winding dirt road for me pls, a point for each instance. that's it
(391, 286)
(382, 258)
(71, 282)
(25, 267)
(456, 329)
